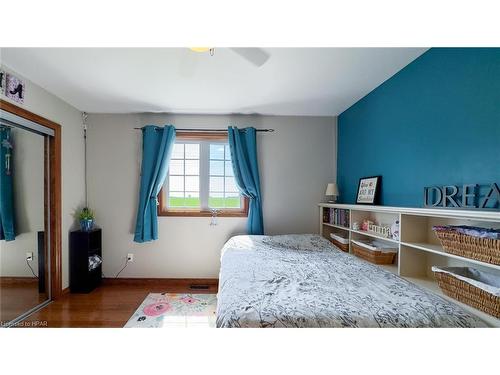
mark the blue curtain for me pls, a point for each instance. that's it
(243, 146)
(157, 145)
(7, 230)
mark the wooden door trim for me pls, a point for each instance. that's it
(55, 193)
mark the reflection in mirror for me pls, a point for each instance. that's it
(23, 250)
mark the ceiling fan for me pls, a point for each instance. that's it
(255, 56)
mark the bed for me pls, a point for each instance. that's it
(304, 281)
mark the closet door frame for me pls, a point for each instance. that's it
(54, 185)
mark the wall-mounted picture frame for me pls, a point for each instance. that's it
(15, 88)
(2, 82)
(369, 190)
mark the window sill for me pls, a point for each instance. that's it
(188, 213)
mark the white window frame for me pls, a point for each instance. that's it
(204, 141)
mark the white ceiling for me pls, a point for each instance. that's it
(294, 81)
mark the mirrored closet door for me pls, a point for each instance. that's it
(24, 217)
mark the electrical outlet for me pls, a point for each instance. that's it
(130, 258)
(29, 255)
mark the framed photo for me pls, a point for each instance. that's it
(14, 88)
(368, 190)
(2, 82)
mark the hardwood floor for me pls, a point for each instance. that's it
(112, 304)
(18, 295)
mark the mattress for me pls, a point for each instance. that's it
(305, 281)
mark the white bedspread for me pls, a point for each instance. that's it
(304, 281)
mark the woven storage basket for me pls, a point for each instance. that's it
(483, 249)
(377, 256)
(342, 246)
(468, 293)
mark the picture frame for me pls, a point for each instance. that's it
(2, 81)
(14, 88)
(369, 190)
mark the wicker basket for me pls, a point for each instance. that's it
(468, 293)
(336, 240)
(373, 256)
(342, 246)
(482, 249)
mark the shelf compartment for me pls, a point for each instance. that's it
(417, 228)
(373, 256)
(438, 249)
(373, 235)
(330, 228)
(379, 218)
(336, 226)
(418, 259)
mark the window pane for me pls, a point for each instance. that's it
(178, 151)
(192, 183)
(216, 168)
(231, 185)
(192, 199)
(176, 199)
(217, 151)
(217, 184)
(176, 183)
(192, 167)
(216, 200)
(192, 151)
(176, 167)
(232, 200)
(229, 168)
(186, 185)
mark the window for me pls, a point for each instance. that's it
(201, 178)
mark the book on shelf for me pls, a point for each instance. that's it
(326, 216)
(336, 216)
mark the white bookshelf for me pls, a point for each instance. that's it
(418, 247)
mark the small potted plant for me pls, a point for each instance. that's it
(86, 217)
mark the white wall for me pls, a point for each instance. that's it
(296, 163)
(45, 104)
(28, 187)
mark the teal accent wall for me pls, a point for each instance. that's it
(436, 122)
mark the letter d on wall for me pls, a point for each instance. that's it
(432, 199)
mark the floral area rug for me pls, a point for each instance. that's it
(169, 310)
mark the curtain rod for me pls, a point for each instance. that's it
(214, 130)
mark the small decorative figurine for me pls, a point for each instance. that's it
(366, 225)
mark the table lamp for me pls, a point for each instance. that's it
(332, 192)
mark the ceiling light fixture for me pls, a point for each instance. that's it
(211, 50)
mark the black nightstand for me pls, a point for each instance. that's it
(82, 245)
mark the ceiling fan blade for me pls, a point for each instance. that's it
(256, 56)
